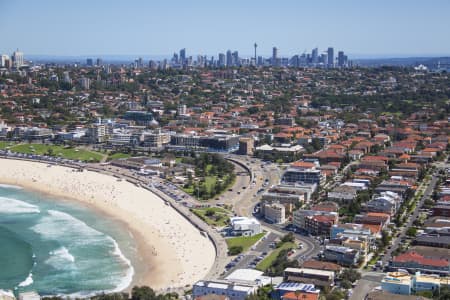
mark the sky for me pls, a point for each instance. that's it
(361, 28)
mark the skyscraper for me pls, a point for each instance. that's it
(99, 62)
(229, 58)
(221, 60)
(89, 62)
(341, 59)
(315, 55)
(17, 59)
(235, 58)
(5, 62)
(183, 56)
(274, 56)
(256, 62)
(330, 57)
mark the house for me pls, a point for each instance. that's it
(309, 276)
(342, 194)
(322, 265)
(300, 295)
(386, 202)
(413, 262)
(243, 226)
(284, 290)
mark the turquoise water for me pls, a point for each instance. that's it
(56, 247)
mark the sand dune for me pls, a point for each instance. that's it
(172, 252)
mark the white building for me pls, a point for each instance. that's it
(236, 286)
(17, 59)
(243, 226)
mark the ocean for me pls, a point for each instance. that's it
(60, 247)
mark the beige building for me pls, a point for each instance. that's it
(275, 213)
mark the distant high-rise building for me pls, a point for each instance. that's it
(99, 62)
(324, 59)
(17, 59)
(222, 61)
(342, 59)
(85, 83)
(89, 62)
(235, 57)
(182, 109)
(175, 59)
(274, 56)
(5, 61)
(66, 77)
(256, 61)
(330, 53)
(315, 55)
(229, 58)
(183, 56)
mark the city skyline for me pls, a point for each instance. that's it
(408, 28)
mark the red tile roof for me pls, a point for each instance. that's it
(417, 258)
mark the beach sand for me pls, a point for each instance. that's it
(172, 252)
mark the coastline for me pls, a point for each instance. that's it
(171, 251)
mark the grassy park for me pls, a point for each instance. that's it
(244, 241)
(57, 151)
(270, 259)
(214, 216)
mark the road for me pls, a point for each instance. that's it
(367, 283)
(428, 192)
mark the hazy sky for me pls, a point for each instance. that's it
(359, 27)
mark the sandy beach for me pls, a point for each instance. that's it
(172, 252)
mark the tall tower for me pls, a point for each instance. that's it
(274, 56)
(256, 62)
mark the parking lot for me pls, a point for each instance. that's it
(256, 254)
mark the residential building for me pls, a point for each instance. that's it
(274, 213)
(303, 172)
(342, 194)
(341, 255)
(246, 146)
(413, 262)
(315, 222)
(309, 276)
(236, 286)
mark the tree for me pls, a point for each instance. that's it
(412, 231)
(351, 275)
(346, 284)
(142, 293)
(210, 212)
(235, 250)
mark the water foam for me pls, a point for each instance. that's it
(58, 225)
(61, 259)
(28, 281)
(14, 206)
(74, 233)
(130, 270)
(10, 186)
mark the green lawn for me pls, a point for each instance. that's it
(220, 217)
(60, 151)
(268, 261)
(118, 155)
(4, 144)
(245, 242)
